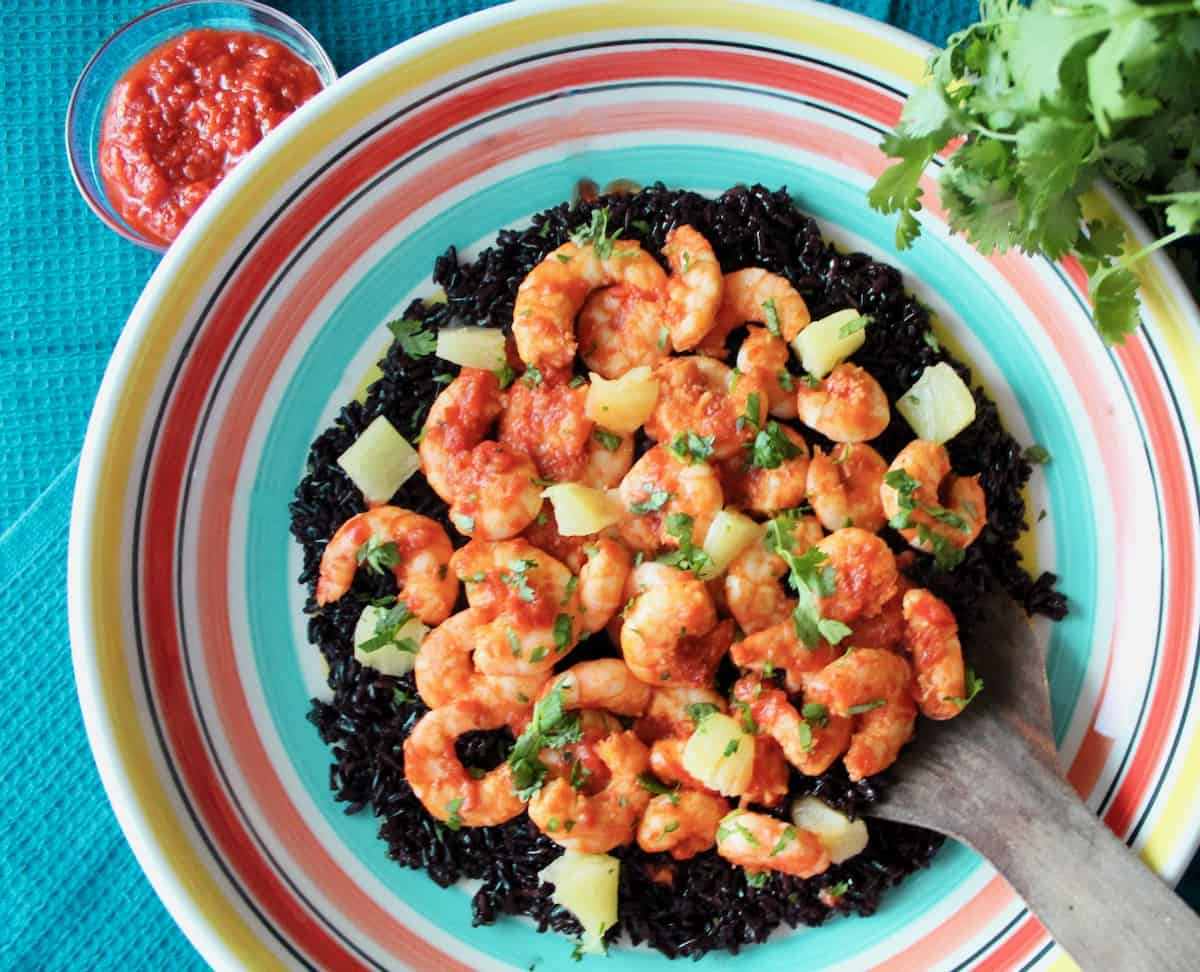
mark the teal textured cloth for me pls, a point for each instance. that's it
(71, 894)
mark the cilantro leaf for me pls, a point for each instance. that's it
(687, 556)
(378, 555)
(699, 711)
(550, 727)
(609, 440)
(596, 233)
(652, 785)
(655, 500)
(973, 684)
(771, 447)
(412, 337)
(693, 448)
(866, 707)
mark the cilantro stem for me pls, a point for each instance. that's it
(1131, 258)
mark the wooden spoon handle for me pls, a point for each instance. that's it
(1106, 908)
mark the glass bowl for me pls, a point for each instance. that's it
(89, 100)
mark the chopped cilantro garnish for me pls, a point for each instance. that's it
(699, 711)
(610, 440)
(562, 633)
(671, 827)
(579, 774)
(651, 785)
(837, 890)
(454, 821)
(772, 448)
(656, 499)
(550, 727)
(771, 316)
(514, 645)
(749, 418)
(853, 326)
(757, 879)
(729, 826)
(731, 747)
(686, 260)
(812, 381)
(663, 335)
(815, 713)
(974, 685)
(412, 337)
(806, 736)
(687, 556)
(386, 627)
(866, 707)
(785, 380)
(788, 835)
(532, 376)
(692, 448)
(811, 581)
(905, 487)
(596, 233)
(846, 449)
(945, 554)
(505, 375)
(537, 654)
(379, 555)
(641, 226)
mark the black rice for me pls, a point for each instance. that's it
(680, 908)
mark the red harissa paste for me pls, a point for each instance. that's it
(185, 115)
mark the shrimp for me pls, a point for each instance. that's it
(659, 485)
(761, 843)
(671, 634)
(439, 779)
(761, 297)
(553, 292)
(667, 715)
(700, 395)
(459, 419)
(596, 823)
(847, 406)
(416, 548)
(865, 575)
(766, 357)
(666, 762)
(777, 648)
(773, 475)
(578, 761)
(753, 592)
(810, 742)
(445, 671)
(683, 823)
(885, 629)
(603, 683)
(933, 503)
(694, 289)
(602, 583)
(876, 686)
(620, 329)
(843, 487)
(530, 601)
(547, 422)
(931, 640)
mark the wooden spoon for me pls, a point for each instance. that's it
(989, 778)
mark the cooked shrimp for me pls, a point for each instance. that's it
(753, 591)
(758, 296)
(847, 406)
(700, 395)
(876, 686)
(596, 823)
(531, 603)
(666, 762)
(602, 583)
(419, 556)
(777, 648)
(843, 487)
(773, 476)
(547, 422)
(885, 629)
(459, 419)
(438, 777)
(931, 640)
(578, 761)
(667, 715)
(766, 357)
(445, 670)
(683, 823)
(694, 288)
(671, 634)
(865, 574)
(604, 683)
(811, 743)
(553, 292)
(761, 843)
(619, 329)
(935, 501)
(659, 485)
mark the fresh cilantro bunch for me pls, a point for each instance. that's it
(1049, 98)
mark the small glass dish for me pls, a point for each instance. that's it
(125, 48)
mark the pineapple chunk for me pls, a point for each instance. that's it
(581, 510)
(623, 404)
(939, 405)
(586, 885)
(730, 533)
(397, 656)
(379, 461)
(822, 346)
(720, 754)
(473, 347)
(840, 835)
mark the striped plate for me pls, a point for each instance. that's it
(192, 665)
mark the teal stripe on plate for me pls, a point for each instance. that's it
(357, 320)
